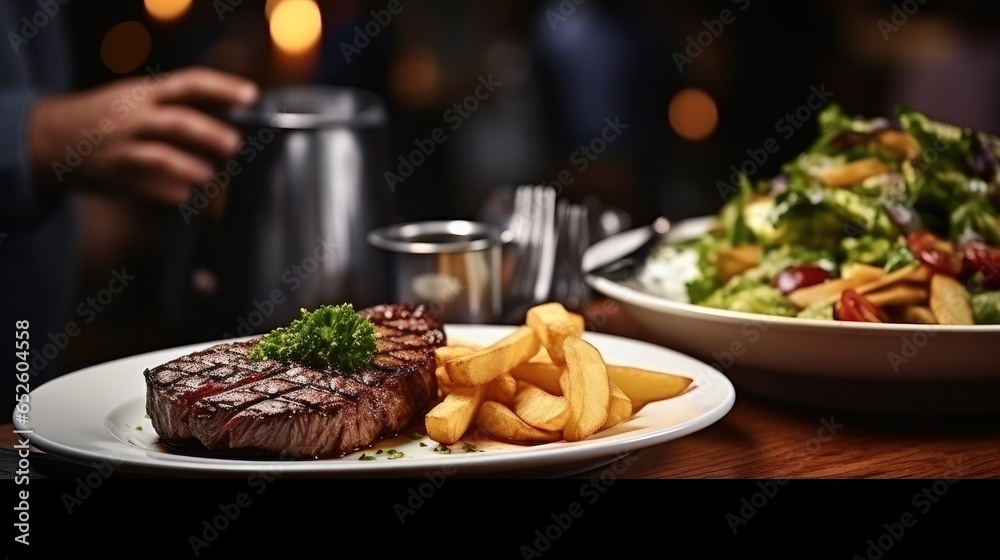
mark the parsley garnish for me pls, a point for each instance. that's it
(334, 336)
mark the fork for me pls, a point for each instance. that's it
(533, 229)
(569, 286)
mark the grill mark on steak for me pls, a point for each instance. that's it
(223, 400)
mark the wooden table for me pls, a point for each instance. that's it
(764, 438)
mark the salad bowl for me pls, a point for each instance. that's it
(867, 367)
(865, 275)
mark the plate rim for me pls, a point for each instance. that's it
(535, 459)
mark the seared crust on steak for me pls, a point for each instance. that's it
(220, 398)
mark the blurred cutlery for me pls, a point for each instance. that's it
(626, 266)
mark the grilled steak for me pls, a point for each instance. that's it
(225, 401)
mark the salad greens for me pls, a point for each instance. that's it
(904, 195)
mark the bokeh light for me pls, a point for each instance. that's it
(125, 47)
(296, 25)
(415, 75)
(693, 114)
(167, 10)
(269, 7)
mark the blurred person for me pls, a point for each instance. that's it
(55, 142)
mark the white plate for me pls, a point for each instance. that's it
(95, 415)
(871, 367)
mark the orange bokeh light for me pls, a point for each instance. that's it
(167, 10)
(415, 75)
(126, 46)
(693, 114)
(296, 25)
(269, 7)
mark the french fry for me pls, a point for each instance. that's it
(542, 357)
(544, 376)
(949, 301)
(553, 323)
(485, 365)
(619, 408)
(502, 423)
(517, 392)
(448, 421)
(502, 389)
(539, 408)
(643, 386)
(445, 384)
(587, 386)
(444, 354)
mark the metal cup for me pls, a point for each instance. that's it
(286, 228)
(451, 266)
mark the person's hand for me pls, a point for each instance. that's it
(142, 136)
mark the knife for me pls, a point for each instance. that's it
(625, 267)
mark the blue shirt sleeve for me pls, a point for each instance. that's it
(19, 200)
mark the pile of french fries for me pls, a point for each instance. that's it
(915, 291)
(541, 383)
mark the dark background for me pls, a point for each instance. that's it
(561, 78)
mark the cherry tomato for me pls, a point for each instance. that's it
(795, 277)
(938, 254)
(854, 307)
(980, 257)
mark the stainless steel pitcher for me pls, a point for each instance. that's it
(288, 231)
